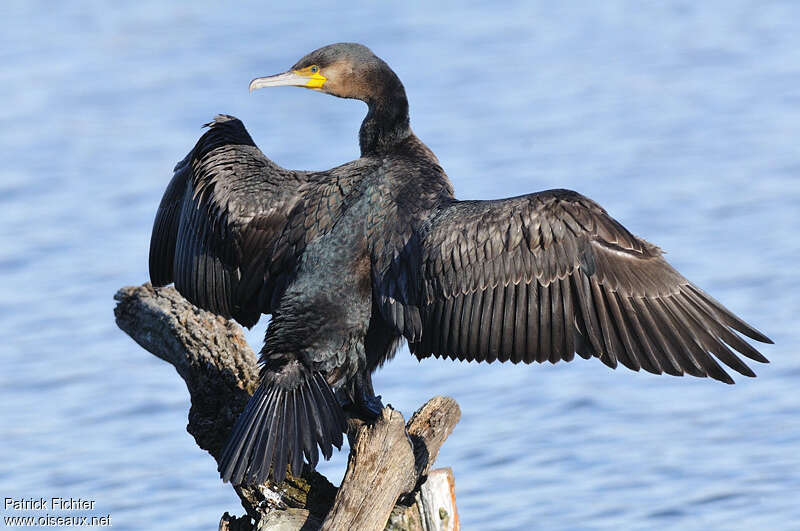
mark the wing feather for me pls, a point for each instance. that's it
(543, 276)
(223, 214)
(543, 351)
(520, 323)
(568, 316)
(532, 341)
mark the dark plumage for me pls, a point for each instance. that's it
(352, 260)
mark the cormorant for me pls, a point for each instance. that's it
(352, 260)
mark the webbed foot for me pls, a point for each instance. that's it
(369, 406)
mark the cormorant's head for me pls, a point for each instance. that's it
(346, 69)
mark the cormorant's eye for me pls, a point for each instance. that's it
(314, 69)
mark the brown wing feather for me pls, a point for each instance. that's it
(543, 276)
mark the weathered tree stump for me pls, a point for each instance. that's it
(389, 459)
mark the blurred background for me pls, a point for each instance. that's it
(681, 118)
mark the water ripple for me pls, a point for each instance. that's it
(680, 118)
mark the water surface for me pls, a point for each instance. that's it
(681, 119)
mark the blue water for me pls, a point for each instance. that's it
(682, 119)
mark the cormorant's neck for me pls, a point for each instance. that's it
(386, 124)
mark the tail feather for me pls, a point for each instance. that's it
(280, 426)
(307, 434)
(329, 409)
(265, 445)
(296, 433)
(242, 433)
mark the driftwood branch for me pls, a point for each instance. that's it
(389, 460)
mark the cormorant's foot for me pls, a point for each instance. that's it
(369, 407)
(344, 399)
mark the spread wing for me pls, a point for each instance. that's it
(219, 230)
(542, 276)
